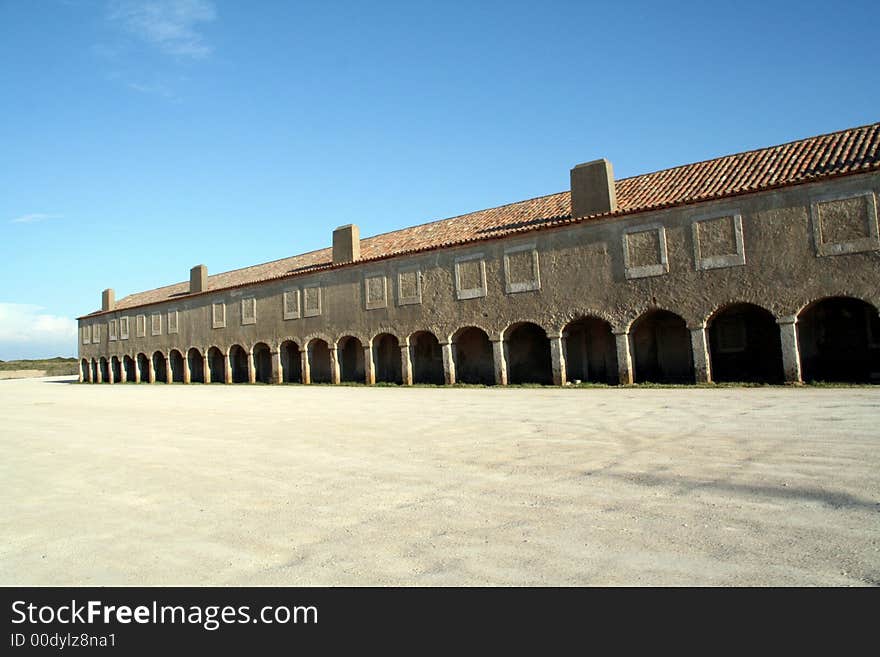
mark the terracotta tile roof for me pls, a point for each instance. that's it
(840, 153)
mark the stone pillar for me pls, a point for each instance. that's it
(82, 376)
(206, 371)
(306, 370)
(624, 359)
(151, 372)
(277, 373)
(448, 363)
(500, 362)
(123, 375)
(100, 374)
(137, 370)
(252, 370)
(169, 375)
(187, 375)
(406, 364)
(557, 360)
(227, 369)
(791, 352)
(369, 367)
(334, 365)
(700, 350)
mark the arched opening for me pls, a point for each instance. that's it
(744, 345)
(238, 361)
(216, 365)
(319, 361)
(386, 358)
(196, 365)
(426, 357)
(262, 363)
(661, 345)
(839, 340)
(159, 367)
(95, 370)
(590, 351)
(128, 366)
(176, 360)
(116, 367)
(86, 370)
(351, 359)
(291, 362)
(143, 367)
(528, 354)
(474, 361)
(105, 370)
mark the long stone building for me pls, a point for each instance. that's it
(760, 266)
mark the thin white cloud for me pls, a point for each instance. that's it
(169, 25)
(34, 218)
(27, 331)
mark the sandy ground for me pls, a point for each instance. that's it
(239, 485)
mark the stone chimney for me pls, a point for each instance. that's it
(346, 244)
(592, 189)
(108, 299)
(198, 279)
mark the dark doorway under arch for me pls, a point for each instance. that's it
(291, 362)
(590, 351)
(196, 363)
(144, 367)
(661, 345)
(744, 345)
(351, 359)
(262, 363)
(474, 360)
(426, 357)
(175, 358)
(839, 340)
(216, 365)
(105, 370)
(238, 361)
(319, 361)
(528, 354)
(86, 370)
(386, 358)
(116, 368)
(128, 364)
(159, 367)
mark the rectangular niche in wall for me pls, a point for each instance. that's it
(140, 325)
(218, 314)
(249, 310)
(718, 241)
(156, 323)
(470, 276)
(172, 321)
(409, 286)
(521, 269)
(644, 251)
(96, 334)
(375, 291)
(311, 300)
(291, 304)
(86, 334)
(123, 328)
(111, 330)
(845, 224)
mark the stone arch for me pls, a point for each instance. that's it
(318, 350)
(473, 356)
(351, 359)
(386, 358)
(116, 368)
(196, 363)
(291, 362)
(661, 348)
(744, 344)
(527, 352)
(238, 362)
(577, 314)
(590, 350)
(262, 356)
(175, 359)
(839, 340)
(216, 365)
(128, 366)
(144, 364)
(159, 367)
(426, 357)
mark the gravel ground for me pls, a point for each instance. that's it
(139, 484)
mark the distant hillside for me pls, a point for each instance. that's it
(53, 366)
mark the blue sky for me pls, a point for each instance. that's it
(140, 138)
